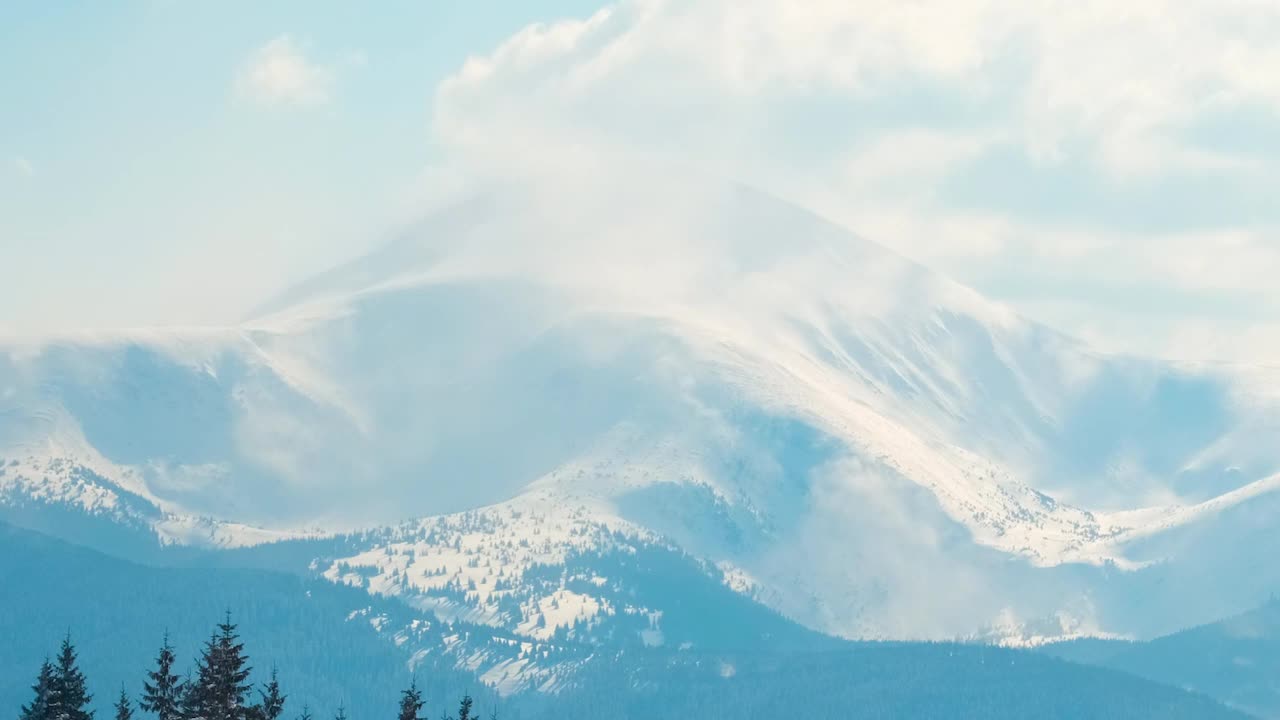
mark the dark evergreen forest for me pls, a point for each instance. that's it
(89, 635)
(220, 687)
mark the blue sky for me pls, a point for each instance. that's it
(1109, 169)
(139, 186)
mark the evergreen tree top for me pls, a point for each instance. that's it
(38, 709)
(69, 695)
(271, 700)
(222, 679)
(162, 691)
(124, 711)
(411, 702)
(464, 709)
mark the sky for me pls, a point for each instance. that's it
(171, 163)
(1108, 168)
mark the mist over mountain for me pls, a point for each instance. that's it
(639, 359)
(840, 434)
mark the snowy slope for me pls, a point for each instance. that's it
(851, 439)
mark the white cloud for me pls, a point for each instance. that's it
(1003, 142)
(279, 73)
(1120, 78)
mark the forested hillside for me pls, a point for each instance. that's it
(1236, 660)
(118, 612)
(329, 657)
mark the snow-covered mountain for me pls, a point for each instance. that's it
(836, 432)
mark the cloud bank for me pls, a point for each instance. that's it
(1105, 167)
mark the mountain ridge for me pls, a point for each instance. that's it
(837, 428)
(370, 647)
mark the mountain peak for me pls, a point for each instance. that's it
(699, 362)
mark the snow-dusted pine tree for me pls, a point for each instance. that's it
(222, 679)
(39, 707)
(411, 702)
(162, 690)
(271, 703)
(69, 694)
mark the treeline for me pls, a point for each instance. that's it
(219, 688)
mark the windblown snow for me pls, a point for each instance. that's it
(861, 444)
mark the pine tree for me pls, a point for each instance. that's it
(306, 713)
(69, 695)
(162, 692)
(221, 684)
(39, 707)
(464, 709)
(198, 690)
(411, 702)
(271, 703)
(341, 714)
(123, 710)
